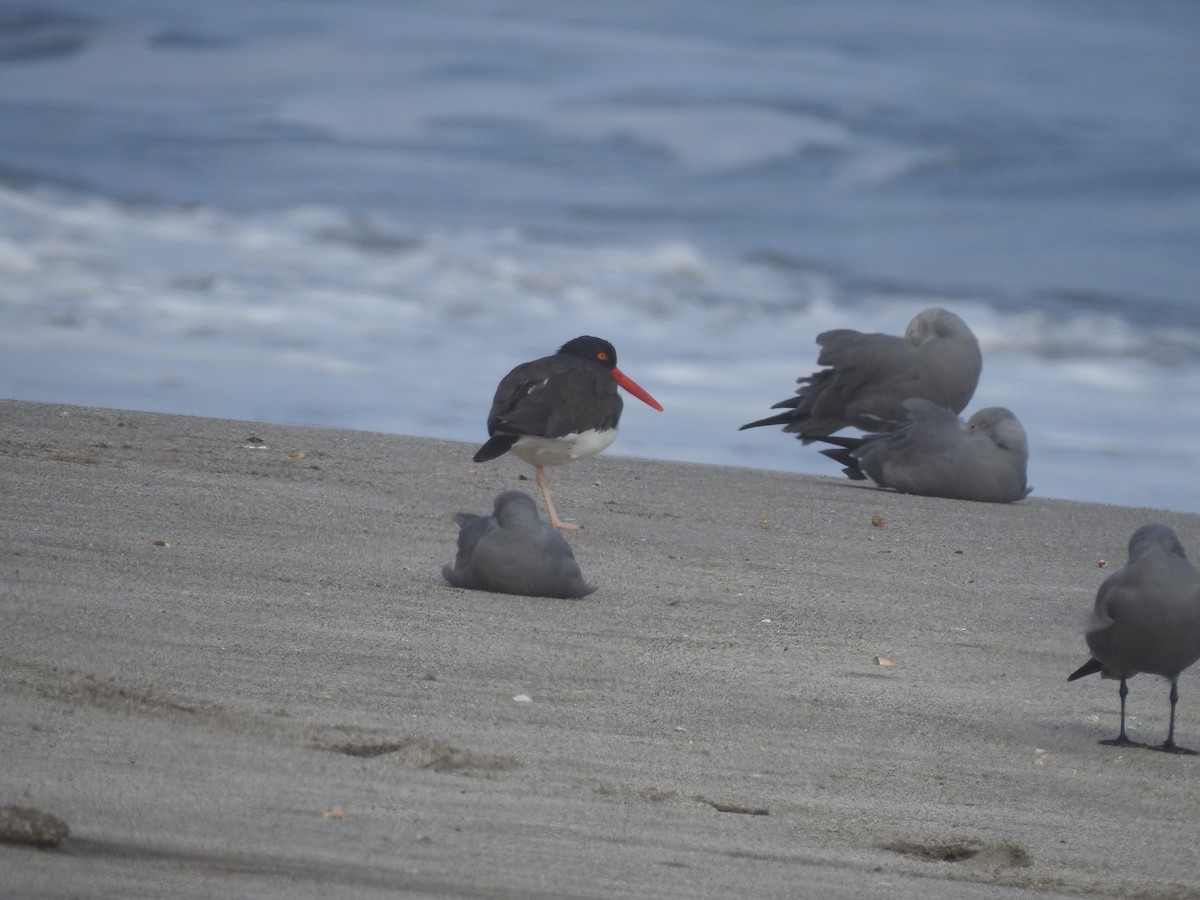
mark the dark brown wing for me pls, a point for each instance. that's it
(551, 397)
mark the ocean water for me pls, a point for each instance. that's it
(362, 213)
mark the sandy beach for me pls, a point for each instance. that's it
(232, 667)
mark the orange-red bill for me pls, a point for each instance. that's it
(634, 388)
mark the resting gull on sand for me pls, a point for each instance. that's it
(512, 551)
(936, 454)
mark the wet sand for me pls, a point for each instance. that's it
(231, 665)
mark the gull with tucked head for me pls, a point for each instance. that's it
(512, 551)
(935, 454)
(869, 376)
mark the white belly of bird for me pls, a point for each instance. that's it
(540, 451)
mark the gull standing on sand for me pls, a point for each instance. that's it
(1146, 619)
(560, 408)
(512, 551)
(935, 454)
(869, 376)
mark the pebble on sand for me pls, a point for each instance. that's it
(21, 825)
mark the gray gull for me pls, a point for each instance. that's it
(512, 551)
(869, 376)
(935, 454)
(1146, 619)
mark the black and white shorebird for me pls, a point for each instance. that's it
(1146, 619)
(558, 409)
(934, 453)
(512, 551)
(869, 376)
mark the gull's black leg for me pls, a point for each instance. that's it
(1122, 739)
(1169, 745)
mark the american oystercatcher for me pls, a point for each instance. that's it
(559, 408)
(869, 376)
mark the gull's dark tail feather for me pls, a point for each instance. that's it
(1088, 668)
(786, 418)
(843, 452)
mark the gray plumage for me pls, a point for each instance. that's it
(869, 376)
(1146, 619)
(512, 551)
(935, 454)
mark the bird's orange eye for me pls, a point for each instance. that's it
(602, 356)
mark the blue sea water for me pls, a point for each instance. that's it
(363, 213)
